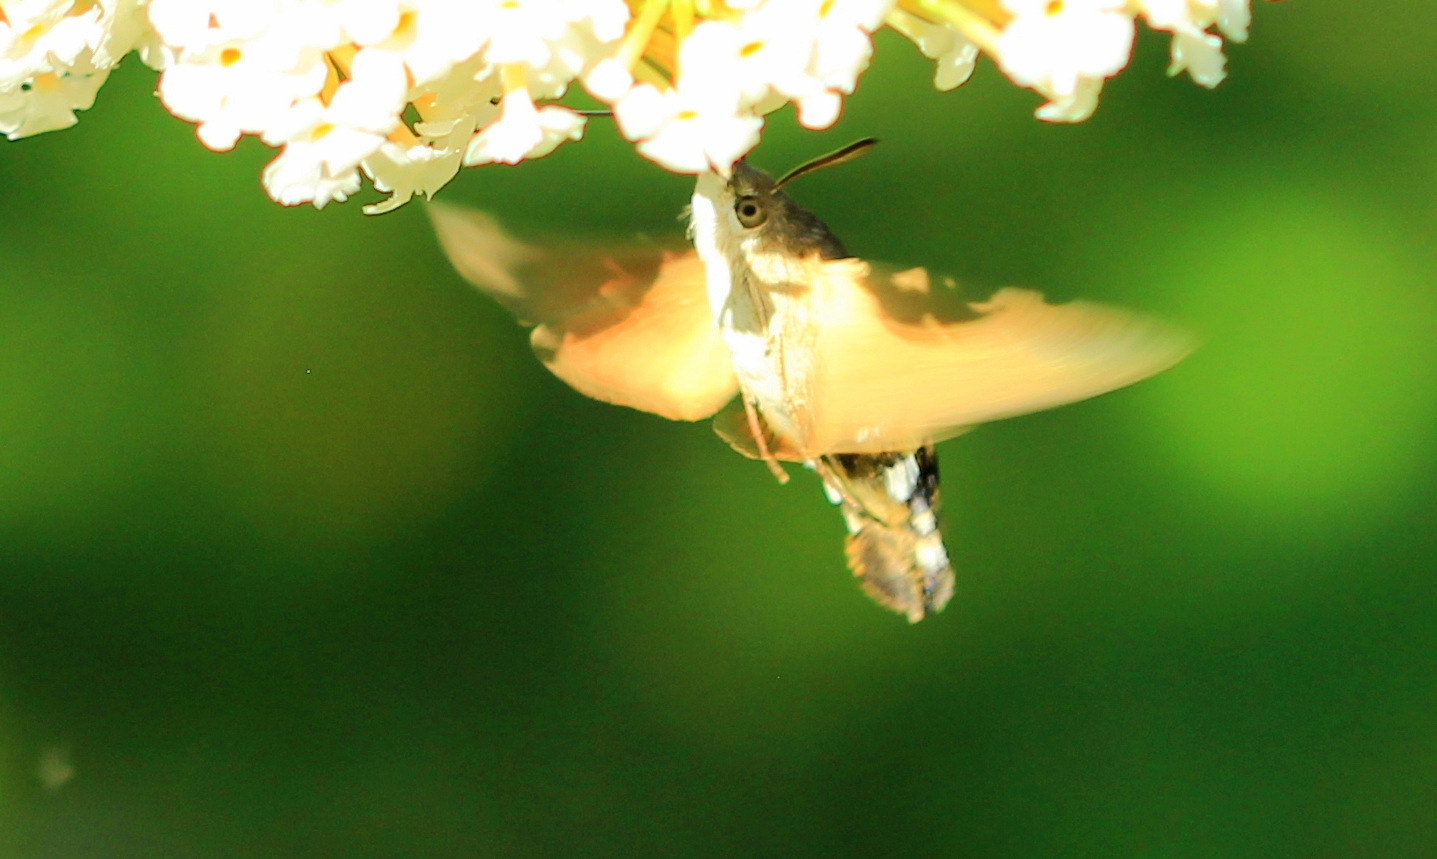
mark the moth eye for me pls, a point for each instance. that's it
(750, 213)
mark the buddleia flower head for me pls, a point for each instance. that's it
(404, 93)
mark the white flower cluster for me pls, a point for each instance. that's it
(407, 91)
(55, 54)
(1065, 49)
(404, 91)
(702, 102)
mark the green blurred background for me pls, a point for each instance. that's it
(302, 553)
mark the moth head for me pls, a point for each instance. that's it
(752, 214)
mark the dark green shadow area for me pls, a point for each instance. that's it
(302, 554)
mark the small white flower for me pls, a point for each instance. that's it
(569, 57)
(1075, 106)
(39, 37)
(198, 24)
(642, 111)
(124, 28)
(307, 130)
(820, 110)
(608, 80)
(606, 18)
(1194, 48)
(364, 108)
(47, 103)
(296, 177)
(430, 39)
(591, 35)
(1060, 47)
(956, 65)
(363, 22)
(519, 31)
(407, 171)
(956, 56)
(522, 131)
(842, 45)
(374, 94)
(324, 144)
(55, 55)
(1200, 54)
(1233, 18)
(762, 52)
(240, 86)
(685, 132)
(417, 169)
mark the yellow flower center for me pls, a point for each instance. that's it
(405, 28)
(48, 82)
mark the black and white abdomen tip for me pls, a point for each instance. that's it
(890, 504)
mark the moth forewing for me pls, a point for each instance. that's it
(629, 324)
(487, 256)
(883, 383)
(661, 354)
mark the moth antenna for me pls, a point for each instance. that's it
(847, 153)
(608, 113)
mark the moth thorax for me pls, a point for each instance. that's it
(713, 240)
(776, 268)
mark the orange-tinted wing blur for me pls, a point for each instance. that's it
(893, 370)
(628, 325)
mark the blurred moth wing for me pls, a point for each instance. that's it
(892, 368)
(628, 325)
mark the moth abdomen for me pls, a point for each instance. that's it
(890, 504)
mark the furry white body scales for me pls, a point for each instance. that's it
(752, 315)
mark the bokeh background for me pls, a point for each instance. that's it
(302, 554)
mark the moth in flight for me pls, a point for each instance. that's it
(806, 354)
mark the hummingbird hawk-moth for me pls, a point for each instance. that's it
(807, 354)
